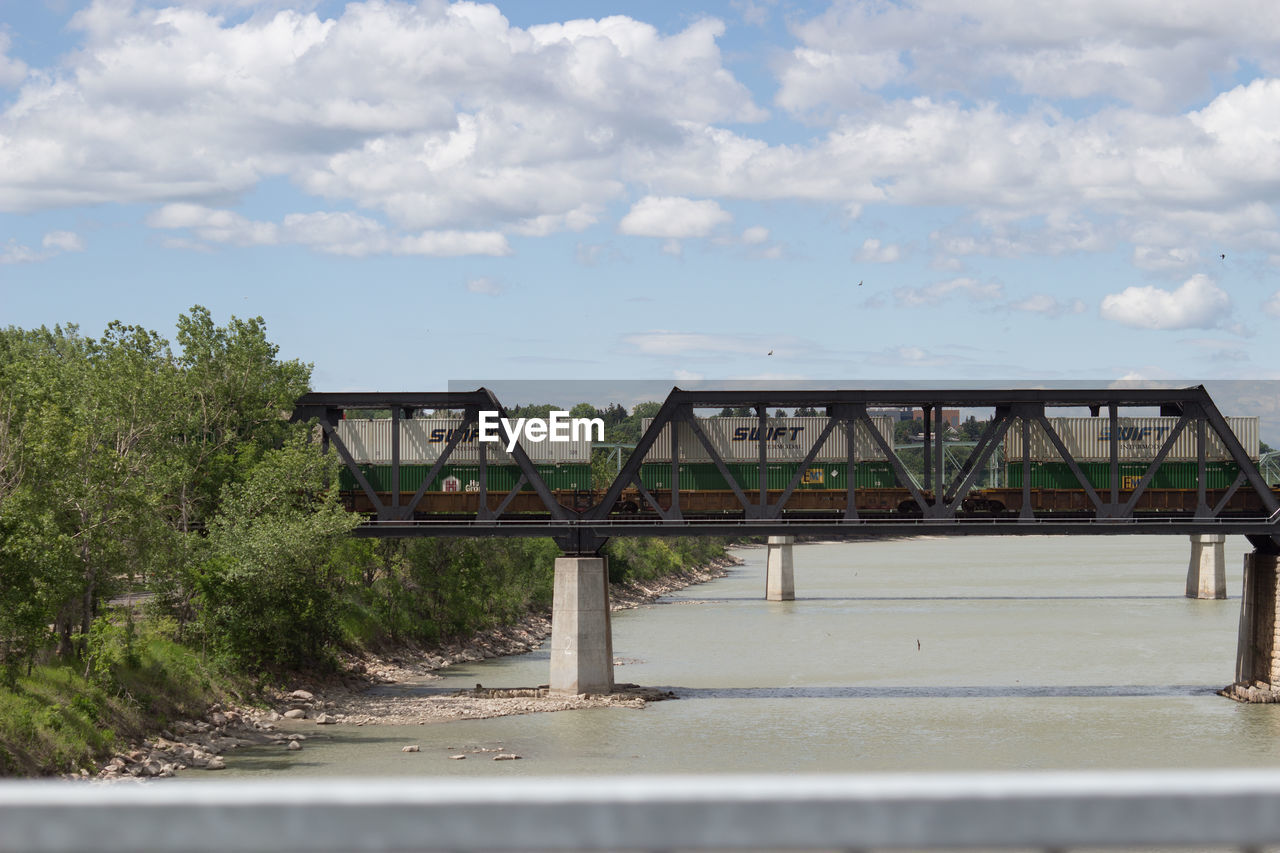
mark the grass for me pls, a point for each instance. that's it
(54, 720)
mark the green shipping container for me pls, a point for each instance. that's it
(1171, 475)
(706, 476)
(501, 478)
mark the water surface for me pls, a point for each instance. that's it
(931, 654)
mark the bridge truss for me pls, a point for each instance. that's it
(938, 505)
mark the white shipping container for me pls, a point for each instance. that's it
(786, 440)
(422, 440)
(1139, 440)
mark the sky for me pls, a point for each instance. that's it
(846, 192)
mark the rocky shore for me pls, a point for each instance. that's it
(1257, 693)
(347, 698)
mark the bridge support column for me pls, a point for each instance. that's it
(779, 579)
(581, 637)
(1258, 646)
(1207, 572)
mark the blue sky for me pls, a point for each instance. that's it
(411, 193)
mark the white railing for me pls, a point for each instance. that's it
(1048, 811)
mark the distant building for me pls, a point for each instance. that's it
(950, 417)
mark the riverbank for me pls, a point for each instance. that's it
(348, 699)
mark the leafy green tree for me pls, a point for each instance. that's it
(233, 398)
(971, 429)
(236, 395)
(268, 594)
(95, 419)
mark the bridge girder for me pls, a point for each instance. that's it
(937, 501)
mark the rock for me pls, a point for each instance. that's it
(506, 756)
(302, 695)
(458, 757)
(295, 714)
(273, 716)
(413, 748)
(218, 719)
(325, 719)
(216, 763)
(294, 746)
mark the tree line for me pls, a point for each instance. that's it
(169, 477)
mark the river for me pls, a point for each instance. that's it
(928, 654)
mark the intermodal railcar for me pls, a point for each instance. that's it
(822, 480)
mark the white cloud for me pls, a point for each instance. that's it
(755, 235)
(1144, 53)
(662, 342)
(485, 285)
(1197, 304)
(63, 241)
(1047, 305)
(12, 71)
(873, 251)
(673, 217)
(934, 293)
(441, 116)
(16, 253)
(444, 119)
(1162, 258)
(1272, 306)
(52, 244)
(335, 233)
(909, 356)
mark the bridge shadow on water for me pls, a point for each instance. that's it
(990, 691)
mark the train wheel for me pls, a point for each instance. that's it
(910, 509)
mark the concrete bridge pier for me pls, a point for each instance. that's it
(1258, 646)
(1207, 572)
(581, 636)
(779, 579)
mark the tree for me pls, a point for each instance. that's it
(586, 410)
(268, 593)
(971, 429)
(236, 395)
(648, 409)
(96, 419)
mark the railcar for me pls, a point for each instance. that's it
(821, 482)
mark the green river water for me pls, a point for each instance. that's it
(914, 655)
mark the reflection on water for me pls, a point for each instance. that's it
(973, 654)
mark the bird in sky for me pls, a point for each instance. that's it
(859, 284)
(1224, 257)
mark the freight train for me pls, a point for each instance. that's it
(821, 488)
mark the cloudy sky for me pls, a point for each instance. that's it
(411, 193)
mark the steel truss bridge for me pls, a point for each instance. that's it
(937, 505)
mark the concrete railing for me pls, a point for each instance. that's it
(1049, 811)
